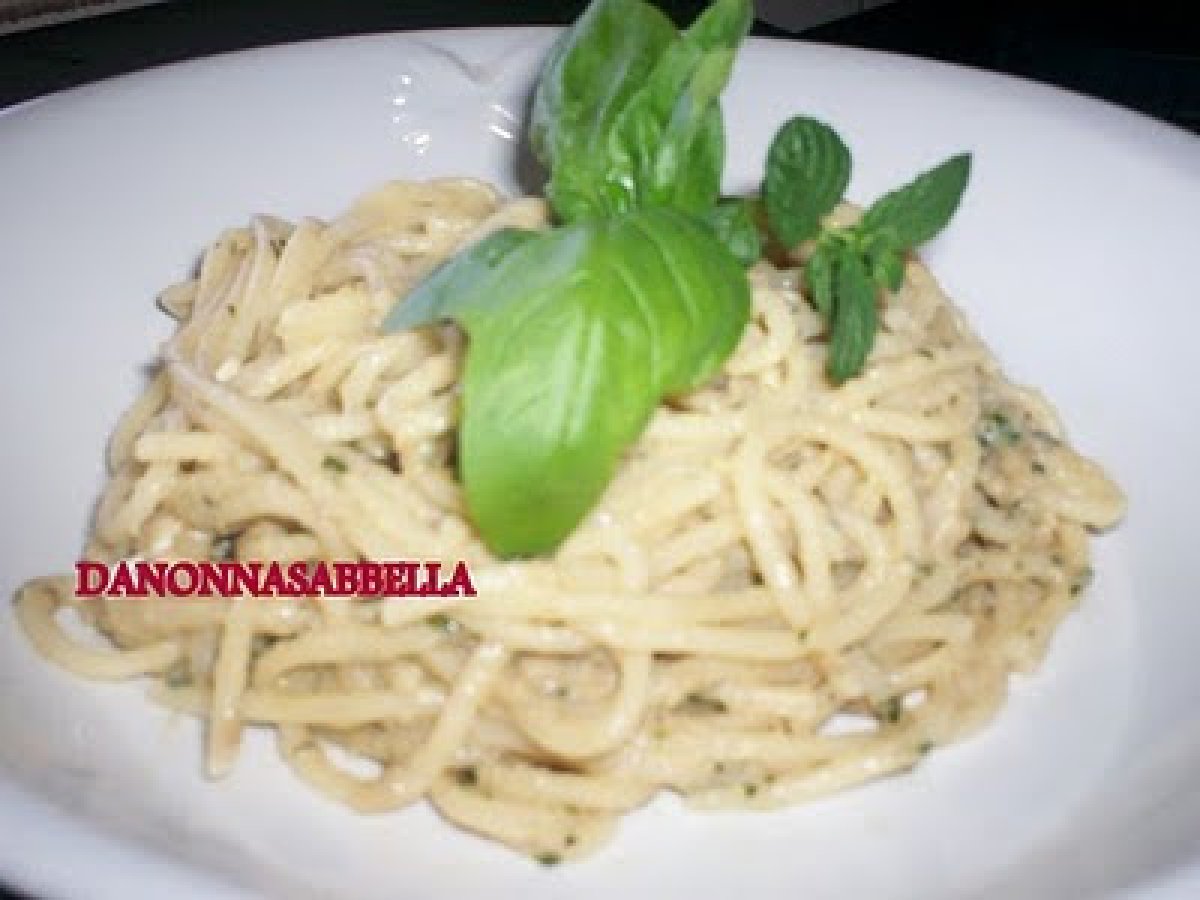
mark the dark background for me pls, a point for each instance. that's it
(1143, 55)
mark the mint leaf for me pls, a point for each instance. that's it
(818, 278)
(576, 335)
(885, 265)
(808, 168)
(733, 222)
(855, 318)
(911, 215)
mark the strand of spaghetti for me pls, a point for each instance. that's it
(833, 776)
(136, 419)
(774, 562)
(773, 554)
(400, 784)
(519, 780)
(230, 673)
(342, 710)
(748, 643)
(347, 501)
(342, 642)
(732, 606)
(38, 601)
(531, 828)
(575, 736)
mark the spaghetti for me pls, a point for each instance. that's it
(790, 588)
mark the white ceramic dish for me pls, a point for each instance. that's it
(1074, 253)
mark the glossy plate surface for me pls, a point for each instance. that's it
(1074, 253)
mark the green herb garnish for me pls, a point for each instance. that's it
(695, 702)
(808, 169)
(224, 546)
(997, 430)
(909, 216)
(178, 674)
(261, 643)
(1081, 580)
(334, 464)
(549, 858)
(639, 292)
(891, 710)
(733, 222)
(577, 334)
(626, 112)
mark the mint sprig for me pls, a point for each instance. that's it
(808, 169)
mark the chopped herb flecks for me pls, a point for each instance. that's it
(443, 622)
(1081, 580)
(891, 710)
(700, 703)
(995, 429)
(179, 675)
(335, 464)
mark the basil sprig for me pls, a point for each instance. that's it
(576, 334)
(808, 169)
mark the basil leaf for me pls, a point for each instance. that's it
(576, 335)
(594, 69)
(855, 318)
(733, 222)
(911, 215)
(451, 291)
(723, 24)
(626, 113)
(669, 141)
(808, 168)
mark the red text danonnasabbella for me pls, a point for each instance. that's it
(227, 578)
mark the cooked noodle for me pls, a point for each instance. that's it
(790, 588)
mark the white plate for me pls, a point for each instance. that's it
(1075, 253)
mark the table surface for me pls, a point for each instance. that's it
(1145, 56)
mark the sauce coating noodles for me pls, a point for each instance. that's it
(789, 588)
